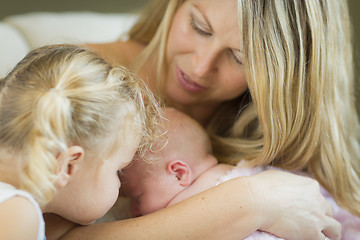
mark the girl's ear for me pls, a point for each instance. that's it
(181, 171)
(69, 164)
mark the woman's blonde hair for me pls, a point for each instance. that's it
(299, 112)
(64, 95)
(299, 63)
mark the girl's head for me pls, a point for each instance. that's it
(69, 119)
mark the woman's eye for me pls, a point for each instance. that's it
(198, 29)
(235, 57)
(238, 61)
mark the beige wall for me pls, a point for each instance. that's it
(9, 7)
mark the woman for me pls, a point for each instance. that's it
(273, 83)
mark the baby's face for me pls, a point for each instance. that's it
(149, 187)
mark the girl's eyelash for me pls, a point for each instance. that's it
(197, 29)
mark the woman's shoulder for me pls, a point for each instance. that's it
(118, 52)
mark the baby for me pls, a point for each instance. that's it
(184, 166)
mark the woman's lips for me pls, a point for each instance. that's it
(187, 83)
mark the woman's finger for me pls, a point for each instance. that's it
(332, 229)
(328, 207)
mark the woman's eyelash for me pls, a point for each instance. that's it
(197, 29)
(235, 58)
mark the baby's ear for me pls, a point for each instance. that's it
(69, 163)
(181, 171)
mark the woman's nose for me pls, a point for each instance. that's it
(204, 62)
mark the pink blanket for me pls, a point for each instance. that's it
(350, 223)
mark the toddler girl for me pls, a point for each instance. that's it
(69, 121)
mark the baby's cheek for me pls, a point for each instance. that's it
(135, 211)
(149, 205)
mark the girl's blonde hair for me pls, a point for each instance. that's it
(299, 112)
(64, 95)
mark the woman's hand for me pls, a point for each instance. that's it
(292, 206)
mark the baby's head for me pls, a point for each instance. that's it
(170, 167)
(61, 102)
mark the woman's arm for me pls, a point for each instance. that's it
(284, 204)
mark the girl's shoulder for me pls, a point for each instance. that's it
(118, 52)
(18, 219)
(20, 214)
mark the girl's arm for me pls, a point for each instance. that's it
(281, 203)
(18, 219)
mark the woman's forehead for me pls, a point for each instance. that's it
(222, 16)
(219, 7)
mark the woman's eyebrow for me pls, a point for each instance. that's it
(202, 13)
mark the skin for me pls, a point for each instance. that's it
(18, 213)
(203, 53)
(87, 189)
(91, 187)
(144, 188)
(204, 58)
(234, 220)
(151, 189)
(154, 185)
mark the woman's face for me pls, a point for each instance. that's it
(204, 54)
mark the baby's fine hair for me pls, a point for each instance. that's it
(63, 95)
